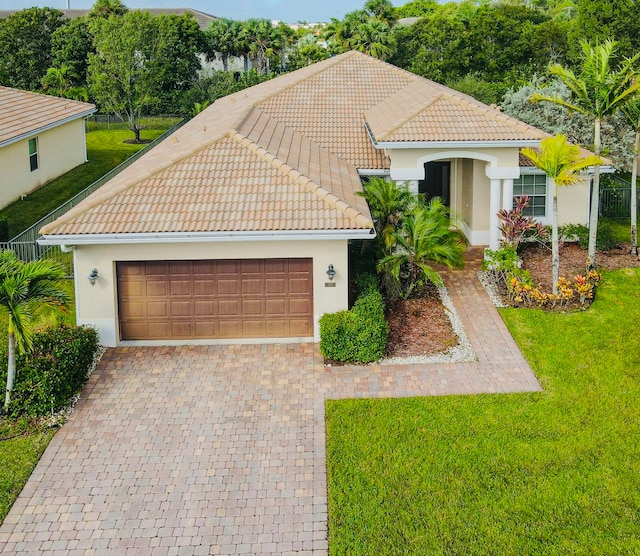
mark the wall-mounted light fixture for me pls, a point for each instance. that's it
(93, 276)
(331, 272)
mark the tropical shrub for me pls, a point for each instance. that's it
(424, 238)
(53, 372)
(605, 239)
(516, 227)
(358, 335)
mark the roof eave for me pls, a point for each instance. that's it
(191, 237)
(455, 144)
(42, 129)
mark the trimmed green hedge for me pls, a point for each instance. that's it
(360, 334)
(54, 371)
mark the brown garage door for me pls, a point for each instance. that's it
(253, 298)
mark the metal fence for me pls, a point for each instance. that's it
(616, 202)
(25, 243)
(111, 121)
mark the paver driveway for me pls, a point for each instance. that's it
(221, 449)
(188, 450)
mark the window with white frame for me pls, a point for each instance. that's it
(535, 186)
(33, 153)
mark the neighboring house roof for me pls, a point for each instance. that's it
(284, 154)
(202, 18)
(24, 114)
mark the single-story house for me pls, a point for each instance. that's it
(233, 227)
(41, 138)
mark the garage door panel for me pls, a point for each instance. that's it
(299, 285)
(228, 286)
(215, 299)
(156, 268)
(275, 307)
(252, 307)
(300, 306)
(180, 287)
(157, 288)
(251, 286)
(275, 286)
(228, 307)
(157, 309)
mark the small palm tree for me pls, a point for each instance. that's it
(598, 92)
(425, 238)
(388, 203)
(562, 163)
(631, 111)
(26, 290)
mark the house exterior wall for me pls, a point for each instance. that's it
(573, 204)
(97, 305)
(59, 150)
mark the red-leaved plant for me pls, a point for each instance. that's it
(516, 227)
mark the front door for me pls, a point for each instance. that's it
(437, 181)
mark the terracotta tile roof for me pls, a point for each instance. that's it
(282, 155)
(426, 111)
(23, 113)
(230, 185)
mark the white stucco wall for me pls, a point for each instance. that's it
(573, 204)
(97, 305)
(59, 150)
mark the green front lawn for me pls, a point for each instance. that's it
(555, 472)
(105, 151)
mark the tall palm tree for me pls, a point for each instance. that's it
(562, 163)
(598, 91)
(631, 111)
(26, 290)
(425, 238)
(388, 203)
(374, 38)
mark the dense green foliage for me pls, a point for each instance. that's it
(358, 335)
(552, 472)
(53, 372)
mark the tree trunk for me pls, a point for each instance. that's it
(555, 254)
(595, 199)
(137, 130)
(225, 62)
(11, 369)
(634, 196)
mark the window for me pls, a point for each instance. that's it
(33, 153)
(535, 186)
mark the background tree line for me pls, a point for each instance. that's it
(494, 50)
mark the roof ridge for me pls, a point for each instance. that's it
(101, 195)
(499, 114)
(411, 115)
(326, 65)
(15, 90)
(316, 189)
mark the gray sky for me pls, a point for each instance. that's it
(284, 10)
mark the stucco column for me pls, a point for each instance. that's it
(507, 194)
(413, 186)
(494, 207)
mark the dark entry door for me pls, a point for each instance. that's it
(437, 181)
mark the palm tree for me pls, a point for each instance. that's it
(374, 38)
(57, 81)
(388, 203)
(561, 162)
(597, 91)
(27, 290)
(631, 111)
(425, 237)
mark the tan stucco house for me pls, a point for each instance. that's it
(226, 229)
(41, 138)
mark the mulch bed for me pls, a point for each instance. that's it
(573, 261)
(419, 326)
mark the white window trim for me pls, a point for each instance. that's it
(37, 153)
(547, 219)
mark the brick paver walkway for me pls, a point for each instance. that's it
(221, 449)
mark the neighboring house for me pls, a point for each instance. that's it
(41, 138)
(226, 229)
